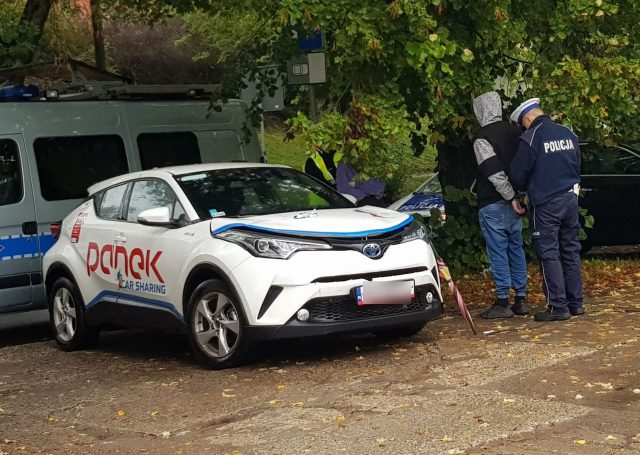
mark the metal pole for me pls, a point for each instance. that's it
(313, 113)
(263, 137)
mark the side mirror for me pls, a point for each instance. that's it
(158, 216)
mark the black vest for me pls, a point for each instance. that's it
(503, 137)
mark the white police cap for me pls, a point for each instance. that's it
(518, 114)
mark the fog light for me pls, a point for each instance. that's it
(429, 297)
(303, 315)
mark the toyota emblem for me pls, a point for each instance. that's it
(372, 250)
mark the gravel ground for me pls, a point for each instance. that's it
(529, 388)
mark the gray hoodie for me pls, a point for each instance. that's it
(488, 109)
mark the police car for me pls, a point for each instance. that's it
(232, 254)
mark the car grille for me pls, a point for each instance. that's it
(344, 308)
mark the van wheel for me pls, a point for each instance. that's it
(216, 325)
(66, 313)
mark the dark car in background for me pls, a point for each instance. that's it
(611, 189)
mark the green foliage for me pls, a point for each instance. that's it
(16, 41)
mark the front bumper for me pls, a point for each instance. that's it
(340, 315)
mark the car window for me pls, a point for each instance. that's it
(615, 160)
(108, 202)
(150, 194)
(10, 174)
(67, 166)
(168, 149)
(256, 191)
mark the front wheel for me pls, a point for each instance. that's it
(217, 326)
(66, 314)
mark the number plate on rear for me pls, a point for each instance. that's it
(385, 293)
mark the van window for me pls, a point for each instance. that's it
(67, 166)
(168, 149)
(108, 203)
(10, 175)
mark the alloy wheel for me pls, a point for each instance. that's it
(64, 314)
(216, 325)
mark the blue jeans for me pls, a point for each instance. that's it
(502, 231)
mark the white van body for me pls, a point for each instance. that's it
(52, 151)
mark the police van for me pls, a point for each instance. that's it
(53, 147)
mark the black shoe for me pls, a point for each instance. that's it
(497, 311)
(520, 307)
(550, 315)
(578, 311)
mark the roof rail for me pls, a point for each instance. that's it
(109, 90)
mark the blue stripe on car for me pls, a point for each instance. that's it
(314, 233)
(125, 299)
(24, 246)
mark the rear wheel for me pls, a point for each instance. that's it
(66, 314)
(217, 326)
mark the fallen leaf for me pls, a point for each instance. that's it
(275, 401)
(611, 438)
(381, 442)
(9, 441)
(580, 442)
(339, 418)
(121, 413)
(636, 390)
(153, 413)
(509, 400)
(551, 397)
(281, 386)
(297, 404)
(447, 438)
(226, 393)
(166, 434)
(579, 397)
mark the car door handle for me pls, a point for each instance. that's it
(30, 228)
(120, 238)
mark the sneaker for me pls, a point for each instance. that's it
(577, 311)
(520, 307)
(550, 315)
(497, 311)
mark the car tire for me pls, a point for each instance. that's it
(404, 331)
(216, 326)
(66, 315)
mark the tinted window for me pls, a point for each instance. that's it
(150, 194)
(110, 201)
(67, 166)
(614, 160)
(10, 174)
(256, 191)
(168, 149)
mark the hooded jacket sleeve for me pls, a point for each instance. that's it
(491, 167)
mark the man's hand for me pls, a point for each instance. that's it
(526, 199)
(517, 207)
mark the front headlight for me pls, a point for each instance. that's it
(417, 231)
(271, 246)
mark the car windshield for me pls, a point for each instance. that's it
(432, 185)
(256, 191)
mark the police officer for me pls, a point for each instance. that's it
(547, 166)
(322, 166)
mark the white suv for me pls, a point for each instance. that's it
(233, 254)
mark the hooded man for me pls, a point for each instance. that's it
(547, 165)
(495, 146)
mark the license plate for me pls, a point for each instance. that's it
(385, 293)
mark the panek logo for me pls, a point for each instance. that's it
(135, 263)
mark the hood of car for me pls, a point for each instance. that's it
(351, 222)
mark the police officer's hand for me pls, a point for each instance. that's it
(526, 199)
(517, 207)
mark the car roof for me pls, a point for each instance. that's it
(164, 172)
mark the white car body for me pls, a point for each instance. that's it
(144, 275)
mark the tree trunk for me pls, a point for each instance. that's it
(98, 35)
(35, 14)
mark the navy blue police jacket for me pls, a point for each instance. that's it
(547, 162)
